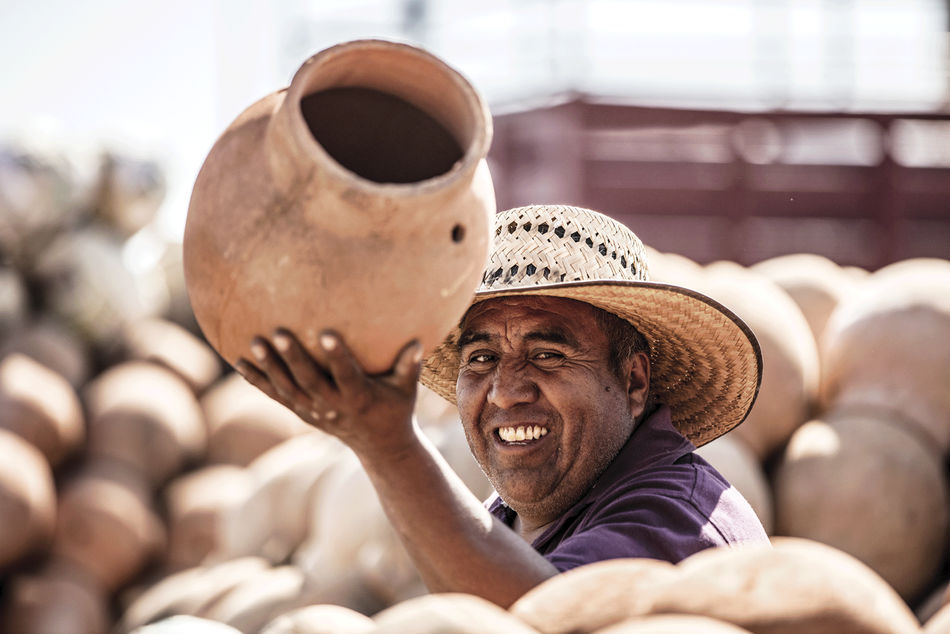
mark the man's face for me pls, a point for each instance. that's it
(541, 364)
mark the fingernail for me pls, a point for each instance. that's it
(331, 415)
(282, 342)
(328, 342)
(258, 350)
(314, 414)
(417, 354)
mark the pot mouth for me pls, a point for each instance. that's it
(385, 115)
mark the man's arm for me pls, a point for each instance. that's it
(456, 544)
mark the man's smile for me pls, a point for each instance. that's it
(521, 433)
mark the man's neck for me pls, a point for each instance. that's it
(528, 533)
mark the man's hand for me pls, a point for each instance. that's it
(331, 391)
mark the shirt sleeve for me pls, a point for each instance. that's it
(657, 521)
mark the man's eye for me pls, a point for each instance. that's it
(481, 357)
(548, 355)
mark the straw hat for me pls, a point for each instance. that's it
(706, 363)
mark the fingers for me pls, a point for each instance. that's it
(342, 365)
(256, 378)
(285, 369)
(276, 371)
(408, 365)
(306, 373)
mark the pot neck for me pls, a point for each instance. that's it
(296, 158)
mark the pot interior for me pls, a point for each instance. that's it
(379, 136)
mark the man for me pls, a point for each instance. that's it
(583, 389)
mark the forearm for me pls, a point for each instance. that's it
(456, 544)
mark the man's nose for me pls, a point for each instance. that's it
(511, 386)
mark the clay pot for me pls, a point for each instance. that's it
(887, 346)
(107, 524)
(286, 480)
(188, 591)
(186, 624)
(56, 598)
(146, 416)
(171, 345)
(320, 619)
(448, 613)
(794, 585)
(87, 283)
(869, 487)
(356, 199)
(41, 406)
(130, 191)
(27, 499)
(258, 599)
(243, 422)
(816, 283)
(594, 596)
(14, 300)
(198, 504)
(789, 353)
(352, 555)
(673, 624)
(53, 344)
(939, 623)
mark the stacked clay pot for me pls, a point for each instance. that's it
(868, 476)
(789, 353)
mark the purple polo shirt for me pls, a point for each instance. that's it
(657, 499)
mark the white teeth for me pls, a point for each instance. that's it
(521, 433)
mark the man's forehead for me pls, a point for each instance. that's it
(528, 303)
(555, 312)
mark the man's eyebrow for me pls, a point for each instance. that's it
(545, 336)
(552, 336)
(471, 336)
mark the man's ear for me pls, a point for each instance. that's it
(638, 382)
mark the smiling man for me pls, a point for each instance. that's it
(583, 389)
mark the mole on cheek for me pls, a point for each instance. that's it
(606, 388)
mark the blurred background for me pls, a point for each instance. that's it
(732, 128)
(790, 158)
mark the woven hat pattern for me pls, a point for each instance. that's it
(705, 362)
(538, 246)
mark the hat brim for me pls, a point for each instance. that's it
(706, 364)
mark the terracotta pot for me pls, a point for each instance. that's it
(187, 591)
(259, 599)
(356, 199)
(866, 484)
(243, 422)
(887, 347)
(27, 500)
(320, 619)
(58, 597)
(107, 523)
(796, 585)
(594, 596)
(789, 353)
(449, 613)
(144, 415)
(41, 406)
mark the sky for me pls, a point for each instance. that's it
(162, 78)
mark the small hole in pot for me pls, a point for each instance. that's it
(458, 233)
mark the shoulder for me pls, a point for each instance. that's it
(665, 512)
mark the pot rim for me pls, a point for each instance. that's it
(477, 111)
